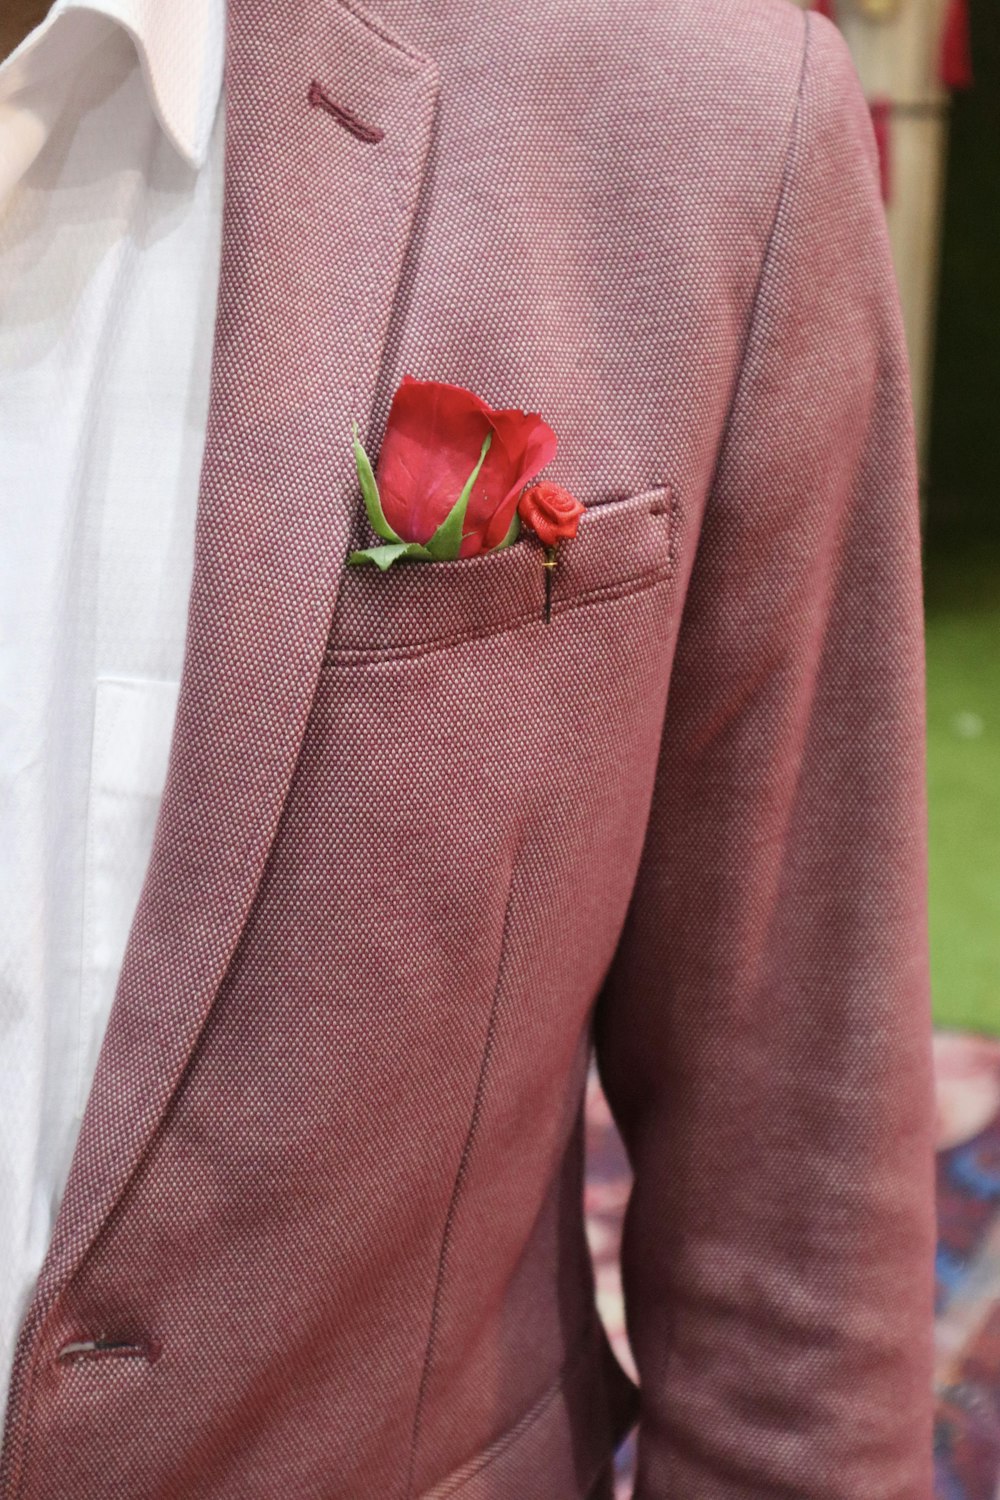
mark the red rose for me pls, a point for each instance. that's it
(432, 443)
(551, 511)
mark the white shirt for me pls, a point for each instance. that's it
(110, 223)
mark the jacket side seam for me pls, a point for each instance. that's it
(460, 1175)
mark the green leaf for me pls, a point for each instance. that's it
(513, 531)
(445, 543)
(369, 489)
(383, 557)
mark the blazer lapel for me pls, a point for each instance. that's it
(328, 124)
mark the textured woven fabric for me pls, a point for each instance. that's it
(323, 1234)
(109, 251)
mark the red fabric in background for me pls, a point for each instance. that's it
(881, 112)
(955, 58)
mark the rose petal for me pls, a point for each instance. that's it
(431, 445)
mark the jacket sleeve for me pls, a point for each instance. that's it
(764, 1033)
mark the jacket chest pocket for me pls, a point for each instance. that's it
(621, 547)
(457, 734)
(474, 783)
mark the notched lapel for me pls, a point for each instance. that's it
(316, 222)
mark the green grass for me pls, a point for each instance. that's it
(962, 593)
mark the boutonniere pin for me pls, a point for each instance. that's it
(453, 480)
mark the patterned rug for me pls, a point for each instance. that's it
(967, 1436)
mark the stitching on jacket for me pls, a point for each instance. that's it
(600, 593)
(460, 1175)
(319, 97)
(788, 171)
(147, 1350)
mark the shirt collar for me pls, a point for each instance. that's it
(180, 48)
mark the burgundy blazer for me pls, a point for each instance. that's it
(419, 851)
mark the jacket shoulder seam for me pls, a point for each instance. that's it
(788, 173)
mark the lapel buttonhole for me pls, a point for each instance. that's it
(320, 99)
